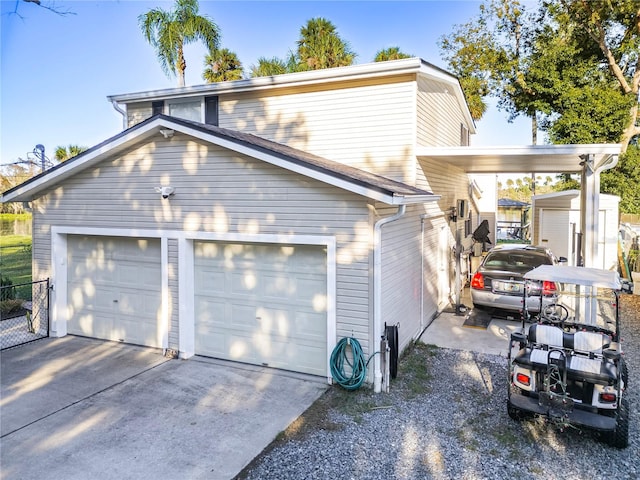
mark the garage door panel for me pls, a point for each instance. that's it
(275, 304)
(114, 288)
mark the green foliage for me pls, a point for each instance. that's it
(222, 65)
(572, 64)
(624, 180)
(65, 153)
(391, 53)
(8, 291)
(169, 32)
(268, 67)
(15, 262)
(319, 46)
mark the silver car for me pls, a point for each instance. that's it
(498, 282)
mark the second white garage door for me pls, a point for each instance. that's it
(262, 304)
(114, 289)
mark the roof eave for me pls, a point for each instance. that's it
(355, 72)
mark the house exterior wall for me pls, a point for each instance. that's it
(439, 118)
(366, 125)
(401, 272)
(216, 191)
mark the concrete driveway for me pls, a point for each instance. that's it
(78, 408)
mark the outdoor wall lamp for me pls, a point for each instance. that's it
(166, 192)
(166, 132)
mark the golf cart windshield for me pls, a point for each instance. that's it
(585, 297)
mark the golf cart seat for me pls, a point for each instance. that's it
(582, 352)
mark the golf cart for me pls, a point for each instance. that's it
(565, 362)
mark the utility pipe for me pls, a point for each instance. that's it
(377, 291)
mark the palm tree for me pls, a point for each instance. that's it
(267, 67)
(221, 66)
(391, 53)
(320, 46)
(65, 153)
(168, 32)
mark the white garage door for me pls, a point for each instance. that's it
(114, 289)
(262, 304)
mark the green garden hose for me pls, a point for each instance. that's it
(340, 359)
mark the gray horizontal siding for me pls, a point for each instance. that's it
(401, 273)
(366, 126)
(217, 191)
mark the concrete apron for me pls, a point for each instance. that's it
(447, 331)
(78, 408)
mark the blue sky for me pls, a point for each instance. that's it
(56, 71)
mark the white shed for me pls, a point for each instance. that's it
(556, 224)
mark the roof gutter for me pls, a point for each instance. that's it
(119, 109)
(377, 291)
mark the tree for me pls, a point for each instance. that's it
(572, 60)
(268, 67)
(222, 65)
(624, 179)
(320, 46)
(169, 32)
(391, 53)
(51, 6)
(63, 154)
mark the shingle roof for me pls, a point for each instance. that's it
(351, 178)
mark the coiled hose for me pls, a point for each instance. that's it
(340, 359)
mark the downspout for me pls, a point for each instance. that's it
(121, 112)
(377, 291)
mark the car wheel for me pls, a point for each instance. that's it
(619, 438)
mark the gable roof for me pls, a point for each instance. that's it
(333, 173)
(415, 66)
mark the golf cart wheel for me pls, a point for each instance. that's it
(515, 413)
(619, 438)
(624, 373)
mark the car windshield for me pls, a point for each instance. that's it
(516, 260)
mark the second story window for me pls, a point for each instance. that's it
(157, 107)
(188, 109)
(211, 110)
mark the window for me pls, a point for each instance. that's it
(187, 109)
(157, 107)
(211, 110)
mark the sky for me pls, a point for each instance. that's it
(57, 70)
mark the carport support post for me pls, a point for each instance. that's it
(590, 205)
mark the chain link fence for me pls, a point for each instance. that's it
(22, 319)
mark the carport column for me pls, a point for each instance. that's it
(377, 293)
(590, 204)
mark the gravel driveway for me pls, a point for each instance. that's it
(446, 418)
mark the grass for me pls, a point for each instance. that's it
(15, 262)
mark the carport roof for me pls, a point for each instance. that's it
(520, 159)
(337, 174)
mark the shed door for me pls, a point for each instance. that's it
(114, 289)
(556, 233)
(262, 304)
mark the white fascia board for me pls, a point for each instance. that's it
(67, 169)
(355, 72)
(569, 149)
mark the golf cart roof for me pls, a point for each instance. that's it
(592, 277)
